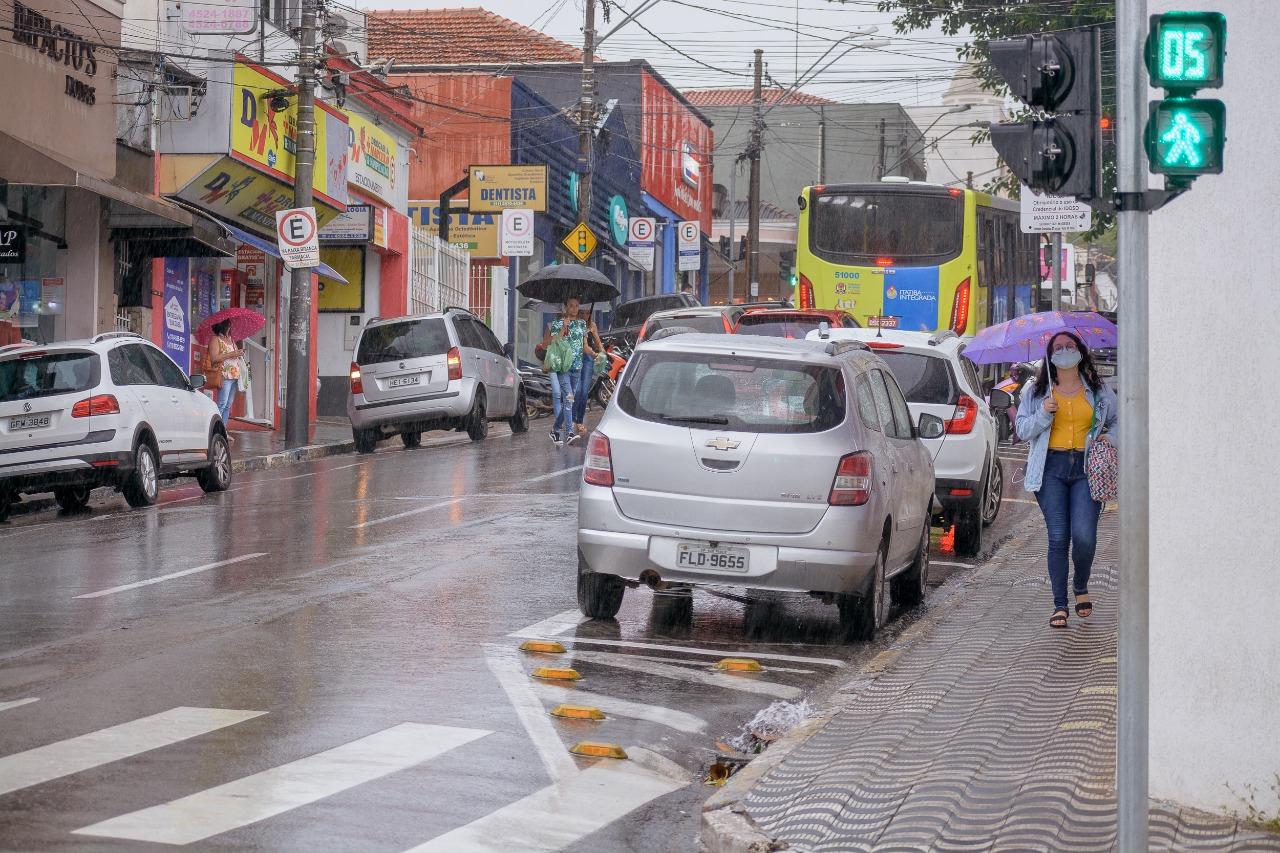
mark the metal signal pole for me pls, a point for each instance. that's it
(753, 211)
(586, 113)
(297, 420)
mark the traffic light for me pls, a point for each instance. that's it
(787, 267)
(744, 248)
(724, 247)
(1058, 75)
(1185, 135)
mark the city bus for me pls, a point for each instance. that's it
(923, 257)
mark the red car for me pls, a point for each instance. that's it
(791, 322)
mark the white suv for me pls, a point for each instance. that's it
(110, 411)
(936, 379)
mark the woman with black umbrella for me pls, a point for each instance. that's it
(565, 370)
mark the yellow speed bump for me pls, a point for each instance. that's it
(555, 673)
(550, 647)
(739, 665)
(577, 712)
(592, 749)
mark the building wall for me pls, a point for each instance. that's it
(1215, 638)
(468, 121)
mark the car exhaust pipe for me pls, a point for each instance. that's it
(654, 581)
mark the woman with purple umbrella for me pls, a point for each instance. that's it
(1063, 414)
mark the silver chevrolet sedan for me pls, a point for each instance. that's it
(762, 463)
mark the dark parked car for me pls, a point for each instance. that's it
(628, 318)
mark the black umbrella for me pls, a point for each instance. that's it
(559, 282)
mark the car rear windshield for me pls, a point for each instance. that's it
(710, 323)
(47, 374)
(922, 378)
(733, 393)
(792, 326)
(908, 228)
(636, 312)
(406, 339)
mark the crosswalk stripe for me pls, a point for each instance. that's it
(515, 682)
(565, 620)
(560, 814)
(744, 684)
(4, 706)
(104, 746)
(678, 720)
(692, 650)
(280, 789)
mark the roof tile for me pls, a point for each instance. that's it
(742, 97)
(458, 36)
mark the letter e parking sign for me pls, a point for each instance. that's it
(298, 237)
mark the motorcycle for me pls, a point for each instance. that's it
(537, 391)
(605, 383)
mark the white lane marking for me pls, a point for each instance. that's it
(506, 667)
(559, 815)
(563, 621)
(670, 717)
(289, 786)
(531, 633)
(14, 703)
(745, 684)
(104, 746)
(950, 563)
(405, 514)
(1019, 501)
(703, 664)
(173, 575)
(554, 474)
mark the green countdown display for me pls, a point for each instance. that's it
(1186, 136)
(1185, 50)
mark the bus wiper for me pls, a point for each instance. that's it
(714, 420)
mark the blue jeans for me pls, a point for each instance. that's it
(1071, 516)
(561, 387)
(226, 397)
(585, 375)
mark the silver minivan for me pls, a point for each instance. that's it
(434, 371)
(761, 463)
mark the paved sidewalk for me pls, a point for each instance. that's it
(981, 729)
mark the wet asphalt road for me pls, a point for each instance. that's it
(325, 659)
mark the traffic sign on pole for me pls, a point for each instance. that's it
(517, 233)
(687, 239)
(640, 240)
(1046, 214)
(298, 237)
(580, 242)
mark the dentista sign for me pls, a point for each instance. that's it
(61, 44)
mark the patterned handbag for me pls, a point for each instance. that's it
(1102, 467)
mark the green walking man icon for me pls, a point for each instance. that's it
(1185, 138)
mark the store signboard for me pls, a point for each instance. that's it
(353, 226)
(176, 302)
(220, 17)
(13, 244)
(372, 157)
(478, 233)
(493, 189)
(245, 196)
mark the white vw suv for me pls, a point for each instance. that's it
(110, 411)
(937, 379)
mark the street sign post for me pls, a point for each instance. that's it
(298, 237)
(1046, 214)
(581, 242)
(690, 249)
(640, 240)
(517, 233)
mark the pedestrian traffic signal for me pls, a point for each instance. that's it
(1058, 75)
(1185, 52)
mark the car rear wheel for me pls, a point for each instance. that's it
(217, 477)
(968, 521)
(72, 498)
(411, 439)
(599, 596)
(7, 500)
(478, 419)
(366, 440)
(995, 493)
(908, 588)
(520, 420)
(142, 486)
(862, 614)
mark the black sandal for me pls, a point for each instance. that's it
(1059, 618)
(1084, 609)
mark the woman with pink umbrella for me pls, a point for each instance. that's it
(220, 334)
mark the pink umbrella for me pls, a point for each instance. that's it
(244, 323)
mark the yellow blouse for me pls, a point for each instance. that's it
(1071, 422)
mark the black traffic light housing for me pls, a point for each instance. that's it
(1058, 75)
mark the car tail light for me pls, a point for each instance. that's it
(960, 308)
(728, 327)
(455, 363)
(852, 486)
(961, 493)
(99, 404)
(644, 332)
(357, 383)
(597, 470)
(966, 415)
(805, 291)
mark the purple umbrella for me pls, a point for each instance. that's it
(1024, 338)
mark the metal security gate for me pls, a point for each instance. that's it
(438, 274)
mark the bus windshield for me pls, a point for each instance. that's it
(908, 228)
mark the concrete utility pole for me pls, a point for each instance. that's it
(297, 420)
(880, 169)
(822, 144)
(1133, 699)
(586, 112)
(733, 227)
(1055, 301)
(753, 213)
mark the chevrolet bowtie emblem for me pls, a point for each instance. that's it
(723, 444)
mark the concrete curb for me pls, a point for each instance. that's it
(726, 826)
(288, 457)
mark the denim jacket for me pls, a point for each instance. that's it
(1034, 424)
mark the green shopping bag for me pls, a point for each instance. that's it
(559, 355)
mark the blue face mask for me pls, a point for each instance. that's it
(1066, 359)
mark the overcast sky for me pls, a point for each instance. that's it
(914, 68)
